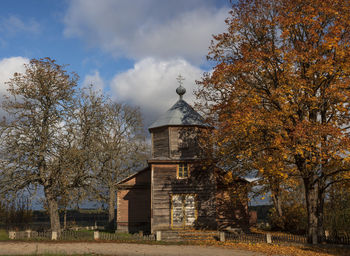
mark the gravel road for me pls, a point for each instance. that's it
(32, 248)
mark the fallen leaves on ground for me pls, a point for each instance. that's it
(280, 249)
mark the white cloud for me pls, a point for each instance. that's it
(151, 84)
(95, 80)
(8, 66)
(165, 38)
(153, 28)
(13, 25)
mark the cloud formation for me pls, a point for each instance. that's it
(139, 29)
(13, 25)
(164, 38)
(151, 84)
(8, 66)
(95, 80)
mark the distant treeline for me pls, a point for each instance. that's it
(17, 215)
(73, 215)
(15, 212)
(336, 217)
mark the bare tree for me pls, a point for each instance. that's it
(84, 126)
(121, 150)
(32, 147)
(67, 143)
(111, 144)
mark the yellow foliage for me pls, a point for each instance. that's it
(279, 91)
(279, 249)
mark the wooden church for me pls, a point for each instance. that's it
(176, 190)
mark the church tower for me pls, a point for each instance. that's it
(178, 189)
(175, 134)
(182, 193)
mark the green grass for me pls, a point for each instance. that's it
(3, 235)
(124, 235)
(122, 238)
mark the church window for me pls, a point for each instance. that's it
(183, 171)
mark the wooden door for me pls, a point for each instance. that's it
(177, 217)
(189, 210)
(183, 210)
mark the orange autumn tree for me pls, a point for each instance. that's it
(279, 96)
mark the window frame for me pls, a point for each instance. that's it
(181, 170)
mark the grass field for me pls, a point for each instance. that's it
(3, 235)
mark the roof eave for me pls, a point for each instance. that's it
(132, 175)
(181, 125)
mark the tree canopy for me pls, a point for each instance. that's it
(38, 104)
(279, 95)
(68, 142)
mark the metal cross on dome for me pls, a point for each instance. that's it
(180, 90)
(180, 79)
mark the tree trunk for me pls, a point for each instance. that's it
(53, 211)
(54, 216)
(312, 206)
(277, 203)
(111, 206)
(320, 228)
(65, 219)
(276, 199)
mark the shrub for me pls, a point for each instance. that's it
(294, 219)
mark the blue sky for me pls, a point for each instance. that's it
(132, 50)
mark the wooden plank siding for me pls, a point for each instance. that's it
(232, 205)
(160, 142)
(145, 204)
(134, 203)
(175, 142)
(175, 190)
(166, 184)
(183, 142)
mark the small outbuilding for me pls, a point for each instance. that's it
(177, 190)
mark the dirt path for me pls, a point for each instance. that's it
(24, 248)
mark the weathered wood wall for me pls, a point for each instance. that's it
(160, 142)
(134, 203)
(176, 142)
(232, 202)
(165, 184)
(184, 142)
(232, 210)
